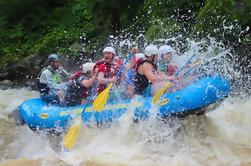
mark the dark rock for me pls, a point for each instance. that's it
(35, 60)
(27, 70)
(13, 72)
(3, 74)
(5, 84)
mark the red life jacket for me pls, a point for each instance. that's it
(76, 75)
(171, 69)
(118, 63)
(108, 69)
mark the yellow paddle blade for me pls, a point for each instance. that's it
(160, 92)
(101, 99)
(71, 136)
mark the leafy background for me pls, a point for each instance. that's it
(40, 27)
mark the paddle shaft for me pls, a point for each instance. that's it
(168, 84)
(73, 132)
(88, 101)
(122, 67)
(102, 97)
(189, 71)
(182, 68)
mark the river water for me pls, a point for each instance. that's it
(221, 137)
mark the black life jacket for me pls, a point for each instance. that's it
(140, 81)
(76, 91)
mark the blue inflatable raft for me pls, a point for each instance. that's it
(193, 99)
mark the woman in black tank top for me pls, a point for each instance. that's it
(146, 71)
(141, 82)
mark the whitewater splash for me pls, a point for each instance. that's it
(219, 138)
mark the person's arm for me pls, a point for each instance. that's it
(89, 82)
(102, 80)
(76, 75)
(148, 72)
(63, 72)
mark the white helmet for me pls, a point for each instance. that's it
(139, 55)
(109, 49)
(151, 50)
(87, 67)
(165, 49)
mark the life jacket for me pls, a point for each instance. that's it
(44, 88)
(162, 66)
(109, 71)
(171, 69)
(140, 81)
(76, 92)
(117, 64)
(168, 68)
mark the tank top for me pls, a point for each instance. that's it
(140, 81)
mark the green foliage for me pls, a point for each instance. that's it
(40, 27)
(182, 10)
(169, 18)
(213, 14)
(163, 28)
(224, 20)
(46, 26)
(113, 15)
